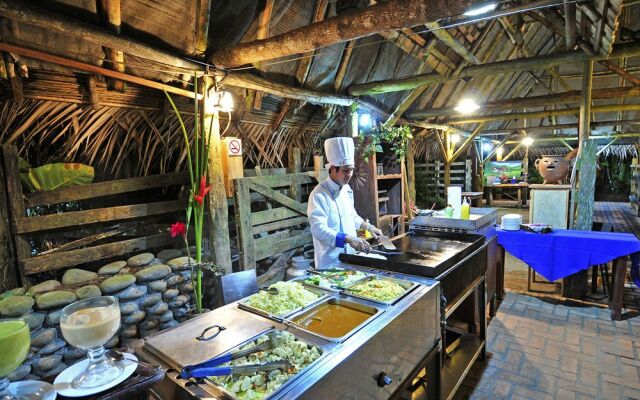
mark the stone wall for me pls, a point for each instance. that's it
(154, 293)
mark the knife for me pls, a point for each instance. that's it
(385, 242)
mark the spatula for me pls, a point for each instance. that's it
(386, 243)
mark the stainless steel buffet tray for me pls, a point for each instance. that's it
(406, 284)
(322, 295)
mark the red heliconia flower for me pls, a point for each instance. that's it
(204, 189)
(178, 229)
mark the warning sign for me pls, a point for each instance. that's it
(234, 146)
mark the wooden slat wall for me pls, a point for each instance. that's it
(460, 174)
(23, 226)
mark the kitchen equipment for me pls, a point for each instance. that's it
(203, 372)
(386, 243)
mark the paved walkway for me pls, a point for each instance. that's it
(542, 351)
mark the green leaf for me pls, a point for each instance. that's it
(55, 176)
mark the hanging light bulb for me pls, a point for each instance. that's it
(528, 141)
(455, 138)
(487, 146)
(466, 106)
(483, 9)
(221, 101)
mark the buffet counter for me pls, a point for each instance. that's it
(375, 359)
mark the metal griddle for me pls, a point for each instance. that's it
(428, 254)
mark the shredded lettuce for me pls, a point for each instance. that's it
(291, 295)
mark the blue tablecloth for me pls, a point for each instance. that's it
(564, 252)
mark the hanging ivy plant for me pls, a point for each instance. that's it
(397, 136)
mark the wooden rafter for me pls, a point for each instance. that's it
(570, 24)
(264, 23)
(111, 16)
(202, 27)
(14, 79)
(549, 128)
(303, 66)
(363, 22)
(342, 68)
(573, 96)
(445, 37)
(499, 67)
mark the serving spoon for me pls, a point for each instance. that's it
(116, 356)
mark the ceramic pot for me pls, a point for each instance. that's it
(552, 168)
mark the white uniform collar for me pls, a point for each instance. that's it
(334, 187)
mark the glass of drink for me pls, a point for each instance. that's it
(14, 347)
(89, 324)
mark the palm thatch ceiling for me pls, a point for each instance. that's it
(404, 61)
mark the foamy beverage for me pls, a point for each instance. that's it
(91, 327)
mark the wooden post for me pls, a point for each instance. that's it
(411, 172)
(584, 129)
(352, 121)
(111, 15)
(8, 264)
(218, 208)
(16, 203)
(292, 168)
(447, 160)
(246, 242)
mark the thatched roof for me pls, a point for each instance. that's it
(82, 129)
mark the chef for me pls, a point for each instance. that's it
(332, 217)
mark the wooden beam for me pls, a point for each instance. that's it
(576, 138)
(585, 104)
(512, 152)
(542, 114)
(342, 68)
(360, 23)
(202, 27)
(38, 55)
(570, 24)
(573, 96)
(496, 147)
(249, 81)
(445, 37)
(305, 64)
(14, 79)
(218, 214)
(548, 128)
(498, 67)
(264, 22)
(467, 142)
(111, 16)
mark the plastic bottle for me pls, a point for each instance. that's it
(448, 212)
(465, 209)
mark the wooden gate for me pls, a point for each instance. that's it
(273, 225)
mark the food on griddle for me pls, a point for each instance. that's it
(335, 278)
(290, 296)
(378, 289)
(257, 385)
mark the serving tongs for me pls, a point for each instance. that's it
(211, 366)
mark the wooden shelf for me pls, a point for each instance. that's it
(390, 176)
(389, 216)
(455, 369)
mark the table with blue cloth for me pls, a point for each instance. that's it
(565, 252)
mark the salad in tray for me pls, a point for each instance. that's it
(257, 385)
(330, 278)
(282, 297)
(378, 289)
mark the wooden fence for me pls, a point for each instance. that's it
(25, 228)
(272, 226)
(461, 174)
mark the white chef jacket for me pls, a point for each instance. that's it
(332, 217)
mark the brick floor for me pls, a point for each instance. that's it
(538, 350)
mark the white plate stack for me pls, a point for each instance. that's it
(511, 222)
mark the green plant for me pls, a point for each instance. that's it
(397, 136)
(427, 191)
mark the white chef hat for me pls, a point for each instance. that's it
(339, 151)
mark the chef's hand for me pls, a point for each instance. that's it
(375, 231)
(358, 244)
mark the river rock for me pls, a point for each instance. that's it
(112, 268)
(181, 263)
(52, 346)
(77, 276)
(135, 317)
(132, 293)
(48, 362)
(175, 280)
(19, 373)
(34, 320)
(140, 260)
(158, 286)
(73, 353)
(166, 317)
(170, 294)
(153, 273)
(186, 288)
(178, 302)
(128, 331)
(88, 291)
(180, 312)
(53, 318)
(54, 371)
(158, 308)
(113, 342)
(151, 299)
(15, 306)
(169, 324)
(117, 283)
(43, 337)
(15, 292)
(128, 308)
(148, 325)
(169, 254)
(58, 298)
(46, 286)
